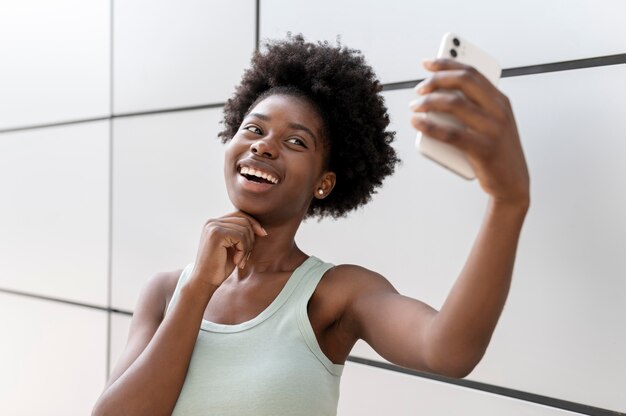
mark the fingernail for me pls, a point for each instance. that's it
(245, 261)
(418, 116)
(428, 62)
(415, 103)
(419, 88)
(264, 231)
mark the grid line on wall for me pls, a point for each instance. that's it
(257, 32)
(57, 300)
(470, 384)
(110, 237)
(492, 388)
(599, 61)
(509, 72)
(535, 69)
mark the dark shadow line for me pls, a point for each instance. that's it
(402, 85)
(114, 116)
(476, 385)
(57, 300)
(56, 124)
(169, 110)
(534, 69)
(490, 388)
(65, 301)
(110, 230)
(506, 73)
(257, 33)
(565, 65)
(122, 312)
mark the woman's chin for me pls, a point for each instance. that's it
(255, 208)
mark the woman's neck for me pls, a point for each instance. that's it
(275, 252)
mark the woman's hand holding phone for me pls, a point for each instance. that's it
(488, 135)
(225, 243)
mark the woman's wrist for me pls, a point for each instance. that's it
(519, 204)
(198, 290)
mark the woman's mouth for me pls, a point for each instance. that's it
(256, 175)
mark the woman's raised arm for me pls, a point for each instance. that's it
(452, 341)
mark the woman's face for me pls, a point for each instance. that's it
(273, 165)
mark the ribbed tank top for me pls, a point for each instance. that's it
(269, 365)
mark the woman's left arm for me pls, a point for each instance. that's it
(462, 329)
(453, 340)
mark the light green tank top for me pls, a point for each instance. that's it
(269, 365)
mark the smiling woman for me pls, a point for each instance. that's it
(257, 326)
(277, 139)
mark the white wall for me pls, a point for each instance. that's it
(90, 210)
(55, 61)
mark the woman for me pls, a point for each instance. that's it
(255, 325)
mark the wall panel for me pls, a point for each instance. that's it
(179, 53)
(55, 61)
(168, 180)
(369, 391)
(55, 362)
(54, 214)
(395, 36)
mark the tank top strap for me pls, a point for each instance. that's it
(299, 302)
(314, 273)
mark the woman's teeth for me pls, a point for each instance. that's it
(253, 172)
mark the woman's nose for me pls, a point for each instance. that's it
(264, 147)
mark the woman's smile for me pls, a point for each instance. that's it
(253, 183)
(257, 175)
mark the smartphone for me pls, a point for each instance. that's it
(460, 49)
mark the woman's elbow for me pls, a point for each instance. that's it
(455, 365)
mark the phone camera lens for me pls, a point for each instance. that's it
(456, 42)
(453, 53)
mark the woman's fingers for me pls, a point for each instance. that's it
(456, 135)
(256, 226)
(248, 226)
(486, 129)
(240, 237)
(452, 75)
(225, 243)
(455, 103)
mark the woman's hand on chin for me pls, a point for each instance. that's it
(225, 242)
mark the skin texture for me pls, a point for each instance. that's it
(245, 257)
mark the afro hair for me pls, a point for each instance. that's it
(345, 90)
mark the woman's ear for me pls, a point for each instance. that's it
(325, 185)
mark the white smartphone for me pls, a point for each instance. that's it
(458, 48)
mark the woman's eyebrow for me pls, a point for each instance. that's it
(296, 126)
(261, 116)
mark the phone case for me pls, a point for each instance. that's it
(458, 48)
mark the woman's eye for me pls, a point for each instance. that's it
(253, 129)
(297, 141)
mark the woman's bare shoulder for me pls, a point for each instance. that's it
(356, 277)
(157, 293)
(166, 283)
(345, 283)
(147, 316)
